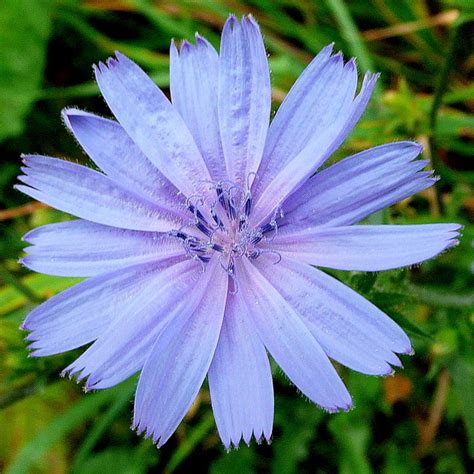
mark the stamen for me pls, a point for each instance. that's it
(204, 229)
(248, 204)
(242, 222)
(262, 251)
(229, 233)
(247, 181)
(215, 216)
(221, 197)
(254, 254)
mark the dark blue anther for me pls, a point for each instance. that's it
(204, 229)
(217, 219)
(204, 258)
(254, 254)
(181, 235)
(248, 205)
(268, 227)
(196, 212)
(218, 248)
(242, 222)
(232, 210)
(256, 238)
(221, 197)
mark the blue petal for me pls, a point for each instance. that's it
(298, 118)
(114, 152)
(244, 97)
(290, 342)
(83, 248)
(240, 379)
(349, 328)
(122, 350)
(83, 312)
(194, 74)
(91, 195)
(366, 247)
(341, 116)
(152, 123)
(359, 185)
(179, 360)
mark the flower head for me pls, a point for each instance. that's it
(198, 235)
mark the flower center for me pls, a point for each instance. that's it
(223, 227)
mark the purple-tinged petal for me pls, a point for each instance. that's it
(339, 123)
(114, 152)
(244, 97)
(366, 247)
(83, 248)
(349, 328)
(240, 379)
(359, 185)
(194, 74)
(91, 195)
(123, 349)
(290, 342)
(298, 118)
(178, 362)
(152, 123)
(83, 312)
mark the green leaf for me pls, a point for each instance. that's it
(298, 422)
(42, 285)
(235, 462)
(462, 371)
(99, 428)
(114, 461)
(388, 302)
(24, 31)
(363, 282)
(87, 407)
(197, 434)
(352, 438)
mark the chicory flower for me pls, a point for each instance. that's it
(199, 234)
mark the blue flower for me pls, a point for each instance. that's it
(198, 235)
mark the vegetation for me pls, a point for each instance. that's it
(419, 420)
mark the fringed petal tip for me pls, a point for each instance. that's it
(92, 381)
(370, 78)
(246, 20)
(77, 374)
(110, 63)
(230, 443)
(70, 114)
(200, 40)
(231, 21)
(144, 431)
(454, 233)
(233, 443)
(184, 47)
(352, 64)
(345, 405)
(29, 236)
(24, 326)
(81, 374)
(336, 409)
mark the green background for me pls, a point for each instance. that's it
(421, 419)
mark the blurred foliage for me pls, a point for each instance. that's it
(421, 419)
